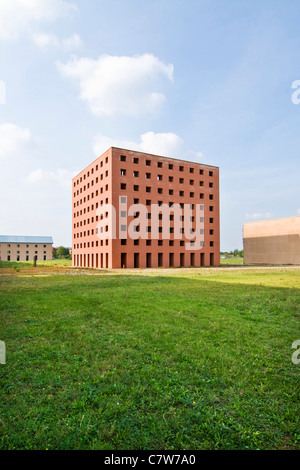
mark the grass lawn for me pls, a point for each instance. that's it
(28, 264)
(232, 261)
(165, 359)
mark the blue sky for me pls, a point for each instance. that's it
(206, 80)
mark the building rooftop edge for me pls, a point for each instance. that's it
(25, 239)
(272, 220)
(144, 153)
(163, 156)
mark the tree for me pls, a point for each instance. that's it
(62, 252)
(236, 253)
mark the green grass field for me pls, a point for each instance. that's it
(232, 261)
(67, 262)
(29, 264)
(158, 359)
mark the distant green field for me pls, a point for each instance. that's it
(66, 262)
(232, 261)
(28, 264)
(173, 359)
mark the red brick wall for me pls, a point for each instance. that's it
(88, 250)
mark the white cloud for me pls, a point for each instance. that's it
(165, 144)
(158, 144)
(260, 216)
(43, 40)
(20, 16)
(298, 211)
(13, 139)
(60, 176)
(119, 85)
(72, 42)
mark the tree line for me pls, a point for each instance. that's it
(61, 253)
(234, 253)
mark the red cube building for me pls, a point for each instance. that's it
(137, 210)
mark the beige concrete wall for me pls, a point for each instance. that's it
(22, 250)
(272, 241)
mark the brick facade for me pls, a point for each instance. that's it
(145, 181)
